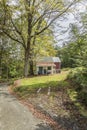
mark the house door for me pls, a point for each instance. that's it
(45, 72)
(40, 70)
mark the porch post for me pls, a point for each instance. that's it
(52, 69)
(37, 69)
(43, 70)
(46, 69)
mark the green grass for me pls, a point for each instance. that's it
(44, 79)
(31, 85)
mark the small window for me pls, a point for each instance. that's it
(49, 68)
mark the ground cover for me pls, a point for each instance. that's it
(53, 95)
(31, 85)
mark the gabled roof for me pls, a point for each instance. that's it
(56, 59)
(49, 59)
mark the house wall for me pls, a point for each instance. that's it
(58, 65)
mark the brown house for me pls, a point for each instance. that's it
(48, 65)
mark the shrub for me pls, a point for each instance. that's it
(78, 77)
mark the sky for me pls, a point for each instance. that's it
(62, 26)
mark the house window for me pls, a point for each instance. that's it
(49, 68)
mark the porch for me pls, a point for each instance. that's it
(44, 69)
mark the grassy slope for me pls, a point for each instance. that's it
(44, 79)
(29, 85)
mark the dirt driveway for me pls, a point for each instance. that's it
(16, 116)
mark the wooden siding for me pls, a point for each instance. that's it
(58, 65)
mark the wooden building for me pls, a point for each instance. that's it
(48, 65)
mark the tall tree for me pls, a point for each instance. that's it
(74, 53)
(11, 59)
(25, 20)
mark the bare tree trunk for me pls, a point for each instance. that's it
(1, 60)
(31, 67)
(28, 47)
(0, 66)
(26, 64)
(27, 50)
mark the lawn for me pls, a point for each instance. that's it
(29, 85)
(44, 79)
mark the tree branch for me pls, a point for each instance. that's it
(16, 29)
(33, 2)
(14, 39)
(37, 33)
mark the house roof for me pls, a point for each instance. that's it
(49, 59)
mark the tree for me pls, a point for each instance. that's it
(73, 54)
(25, 20)
(11, 59)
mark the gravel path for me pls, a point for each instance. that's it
(16, 116)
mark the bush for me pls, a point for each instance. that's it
(78, 77)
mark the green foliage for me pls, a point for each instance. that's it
(73, 94)
(78, 78)
(11, 64)
(74, 54)
(13, 71)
